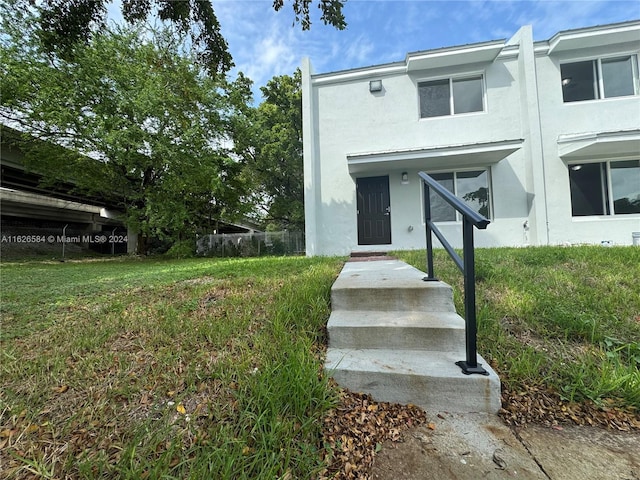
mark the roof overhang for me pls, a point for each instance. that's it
(433, 158)
(594, 37)
(447, 57)
(587, 146)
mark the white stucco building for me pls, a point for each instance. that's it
(541, 137)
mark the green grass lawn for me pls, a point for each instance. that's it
(164, 369)
(555, 318)
(212, 368)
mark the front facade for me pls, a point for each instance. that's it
(543, 138)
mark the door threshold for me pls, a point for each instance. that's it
(370, 256)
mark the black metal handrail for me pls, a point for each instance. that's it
(466, 264)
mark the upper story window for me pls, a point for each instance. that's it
(600, 78)
(451, 96)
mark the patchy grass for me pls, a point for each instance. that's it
(560, 319)
(211, 368)
(164, 369)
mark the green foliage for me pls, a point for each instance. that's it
(151, 127)
(66, 24)
(182, 249)
(272, 149)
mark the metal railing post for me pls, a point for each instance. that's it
(427, 227)
(470, 365)
(470, 219)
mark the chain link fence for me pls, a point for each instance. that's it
(250, 244)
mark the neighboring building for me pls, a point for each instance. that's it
(543, 138)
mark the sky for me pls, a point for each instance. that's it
(265, 43)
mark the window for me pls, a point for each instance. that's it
(601, 78)
(472, 187)
(451, 96)
(605, 188)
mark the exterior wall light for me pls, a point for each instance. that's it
(404, 178)
(375, 86)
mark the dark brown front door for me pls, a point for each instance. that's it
(374, 211)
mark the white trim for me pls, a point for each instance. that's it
(442, 157)
(605, 218)
(599, 145)
(594, 37)
(509, 52)
(358, 74)
(485, 52)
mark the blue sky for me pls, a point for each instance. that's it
(264, 43)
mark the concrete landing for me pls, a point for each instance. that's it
(396, 337)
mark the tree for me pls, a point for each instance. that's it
(66, 22)
(150, 128)
(273, 153)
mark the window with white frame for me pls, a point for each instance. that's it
(451, 96)
(471, 186)
(605, 188)
(599, 78)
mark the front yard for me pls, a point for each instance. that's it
(212, 368)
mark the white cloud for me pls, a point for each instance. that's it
(265, 43)
(270, 55)
(254, 33)
(359, 50)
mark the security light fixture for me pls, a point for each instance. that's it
(575, 168)
(566, 81)
(405, 178)
(375, 86)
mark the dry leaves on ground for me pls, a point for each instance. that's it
(544, 407)
(355, 430)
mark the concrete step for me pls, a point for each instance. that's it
(388, 285)
(441, 331)
(430, 380)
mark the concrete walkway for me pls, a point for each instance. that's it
(481, 446)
